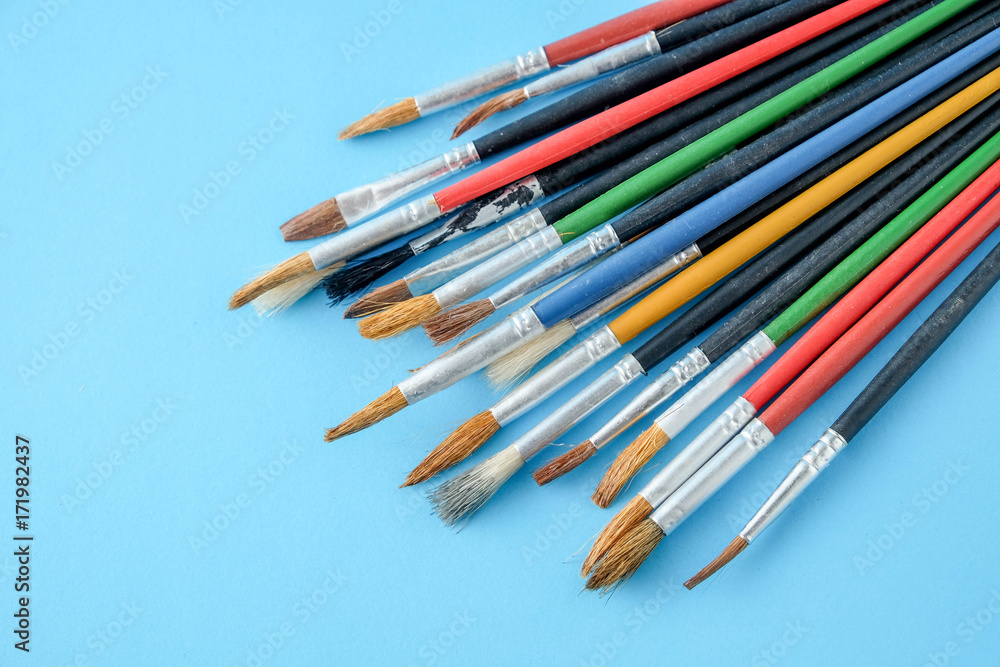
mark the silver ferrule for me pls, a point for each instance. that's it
(358, 240)
(712, 476)
(578, 407)
(663, 387)
(718, 382)
(482, 81)
(428, 278)
(498, 267)
(582, 251)
(555, 376)
(358, 203)
(475, 353)
(674, 263)
(687, 462)
(608, 60)
(477, 215)
(802, 474)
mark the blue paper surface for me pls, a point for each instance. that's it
(183, 506)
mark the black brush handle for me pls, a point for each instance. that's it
(919, 347)
(711, 21)
(794, 66)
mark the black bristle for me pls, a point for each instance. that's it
(359, 274)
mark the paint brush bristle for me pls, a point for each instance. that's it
(400, 113)
(293, 267)
(562, 464)
(359, 274)
(462, 495)
(322, 219)
(629, 462)
(379, 299)
(732, 551)
(512, 367)
(625, 556)
(284, 295)
(452, 323)
(382, 407)
(462, 442)
(628, 518)
(499, 103)
(401, 317)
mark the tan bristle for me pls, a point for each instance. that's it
(625, 556)
(382, 407)
(322, 219)
(729, 553)
(513, 366)
(629, 462)
(400, 113)
(628, 518)
(451, 324)
(379, 299)
(499, 103)
(561, 465)
(284, 295)
(282, 273)
(464, 440)
(401, 317)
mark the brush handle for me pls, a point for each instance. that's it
(608, 60)
(482, 81)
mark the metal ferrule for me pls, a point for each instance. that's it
(578, 407)
(674, 263)
(582, 251)
(805, 471)
(476, 216)
(555, 376)
(498, 267)
(616, 57)
(428, 278)
(476, 353)
(482, 81)
(712, 476)
(718, 382)
(690, 365)
(701, 449)
(358, 203)
(358, 240)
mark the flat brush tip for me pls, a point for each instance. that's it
(451, 324)
(503, 102)
(562, 464)
(379, 299)
(630, 516)
(729, 553)
(322, 219)
(289, 269)
(381, 408)
(625, 557)
(399, 318)
(400, 113)
(458, 446)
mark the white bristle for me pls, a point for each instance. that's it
(463, 494)
(515, 365)
(276, 300)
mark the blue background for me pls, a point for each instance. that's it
(153, 413)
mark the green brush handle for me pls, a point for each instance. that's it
(666, 172)
(873, 251)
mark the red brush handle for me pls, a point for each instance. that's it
(625, 27)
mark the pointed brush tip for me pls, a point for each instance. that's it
(734, 549)
(400, 113)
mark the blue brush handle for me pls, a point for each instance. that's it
(644, 254)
